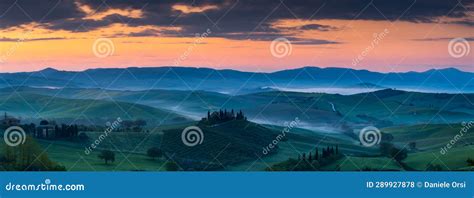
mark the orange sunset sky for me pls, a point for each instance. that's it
(61, 34)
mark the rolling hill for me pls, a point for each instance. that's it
(317, 111)
(231, 143)
(428, 119)
(88, 111)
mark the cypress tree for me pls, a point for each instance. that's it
(316, 157)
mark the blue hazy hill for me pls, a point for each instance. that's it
(236, 82)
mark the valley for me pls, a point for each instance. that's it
(418, 123)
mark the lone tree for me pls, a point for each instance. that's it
(470, 162)
(389, 150)
(412, 145)
(154, 152)
(107, 156)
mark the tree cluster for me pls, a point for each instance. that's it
(326, 152)
(470, 162)
(222, 116)
(107, 156)
(389, 150)
(27, 157)
(66, 131)
(310, 161)
(154, 152)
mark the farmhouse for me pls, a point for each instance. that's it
(9, 121)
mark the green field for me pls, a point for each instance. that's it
(381, 108)
(421, 123)
(130, 151)
(453, 160)
(86, 111)
(74, 159)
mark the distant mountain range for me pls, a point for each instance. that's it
(239, 82)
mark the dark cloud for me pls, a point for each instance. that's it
(264, 36)
(442, 39)
(299, 41)
(85, 25)
(323, 28)
(5, 39)
(253, 18)
(144, 33)
(465, 22)
(234, 19)
(19, 12)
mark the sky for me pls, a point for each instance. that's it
(264, 35)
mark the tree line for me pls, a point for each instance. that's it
(222, 116)
(310, 161)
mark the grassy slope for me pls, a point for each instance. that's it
(454, 159)
(427, 137)
(402, 105)
(430, 139)
(73, 158)
(32, 105)
(350, 163)
(136, 144)
(397, 106)
(232, 142)
(304, 141)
